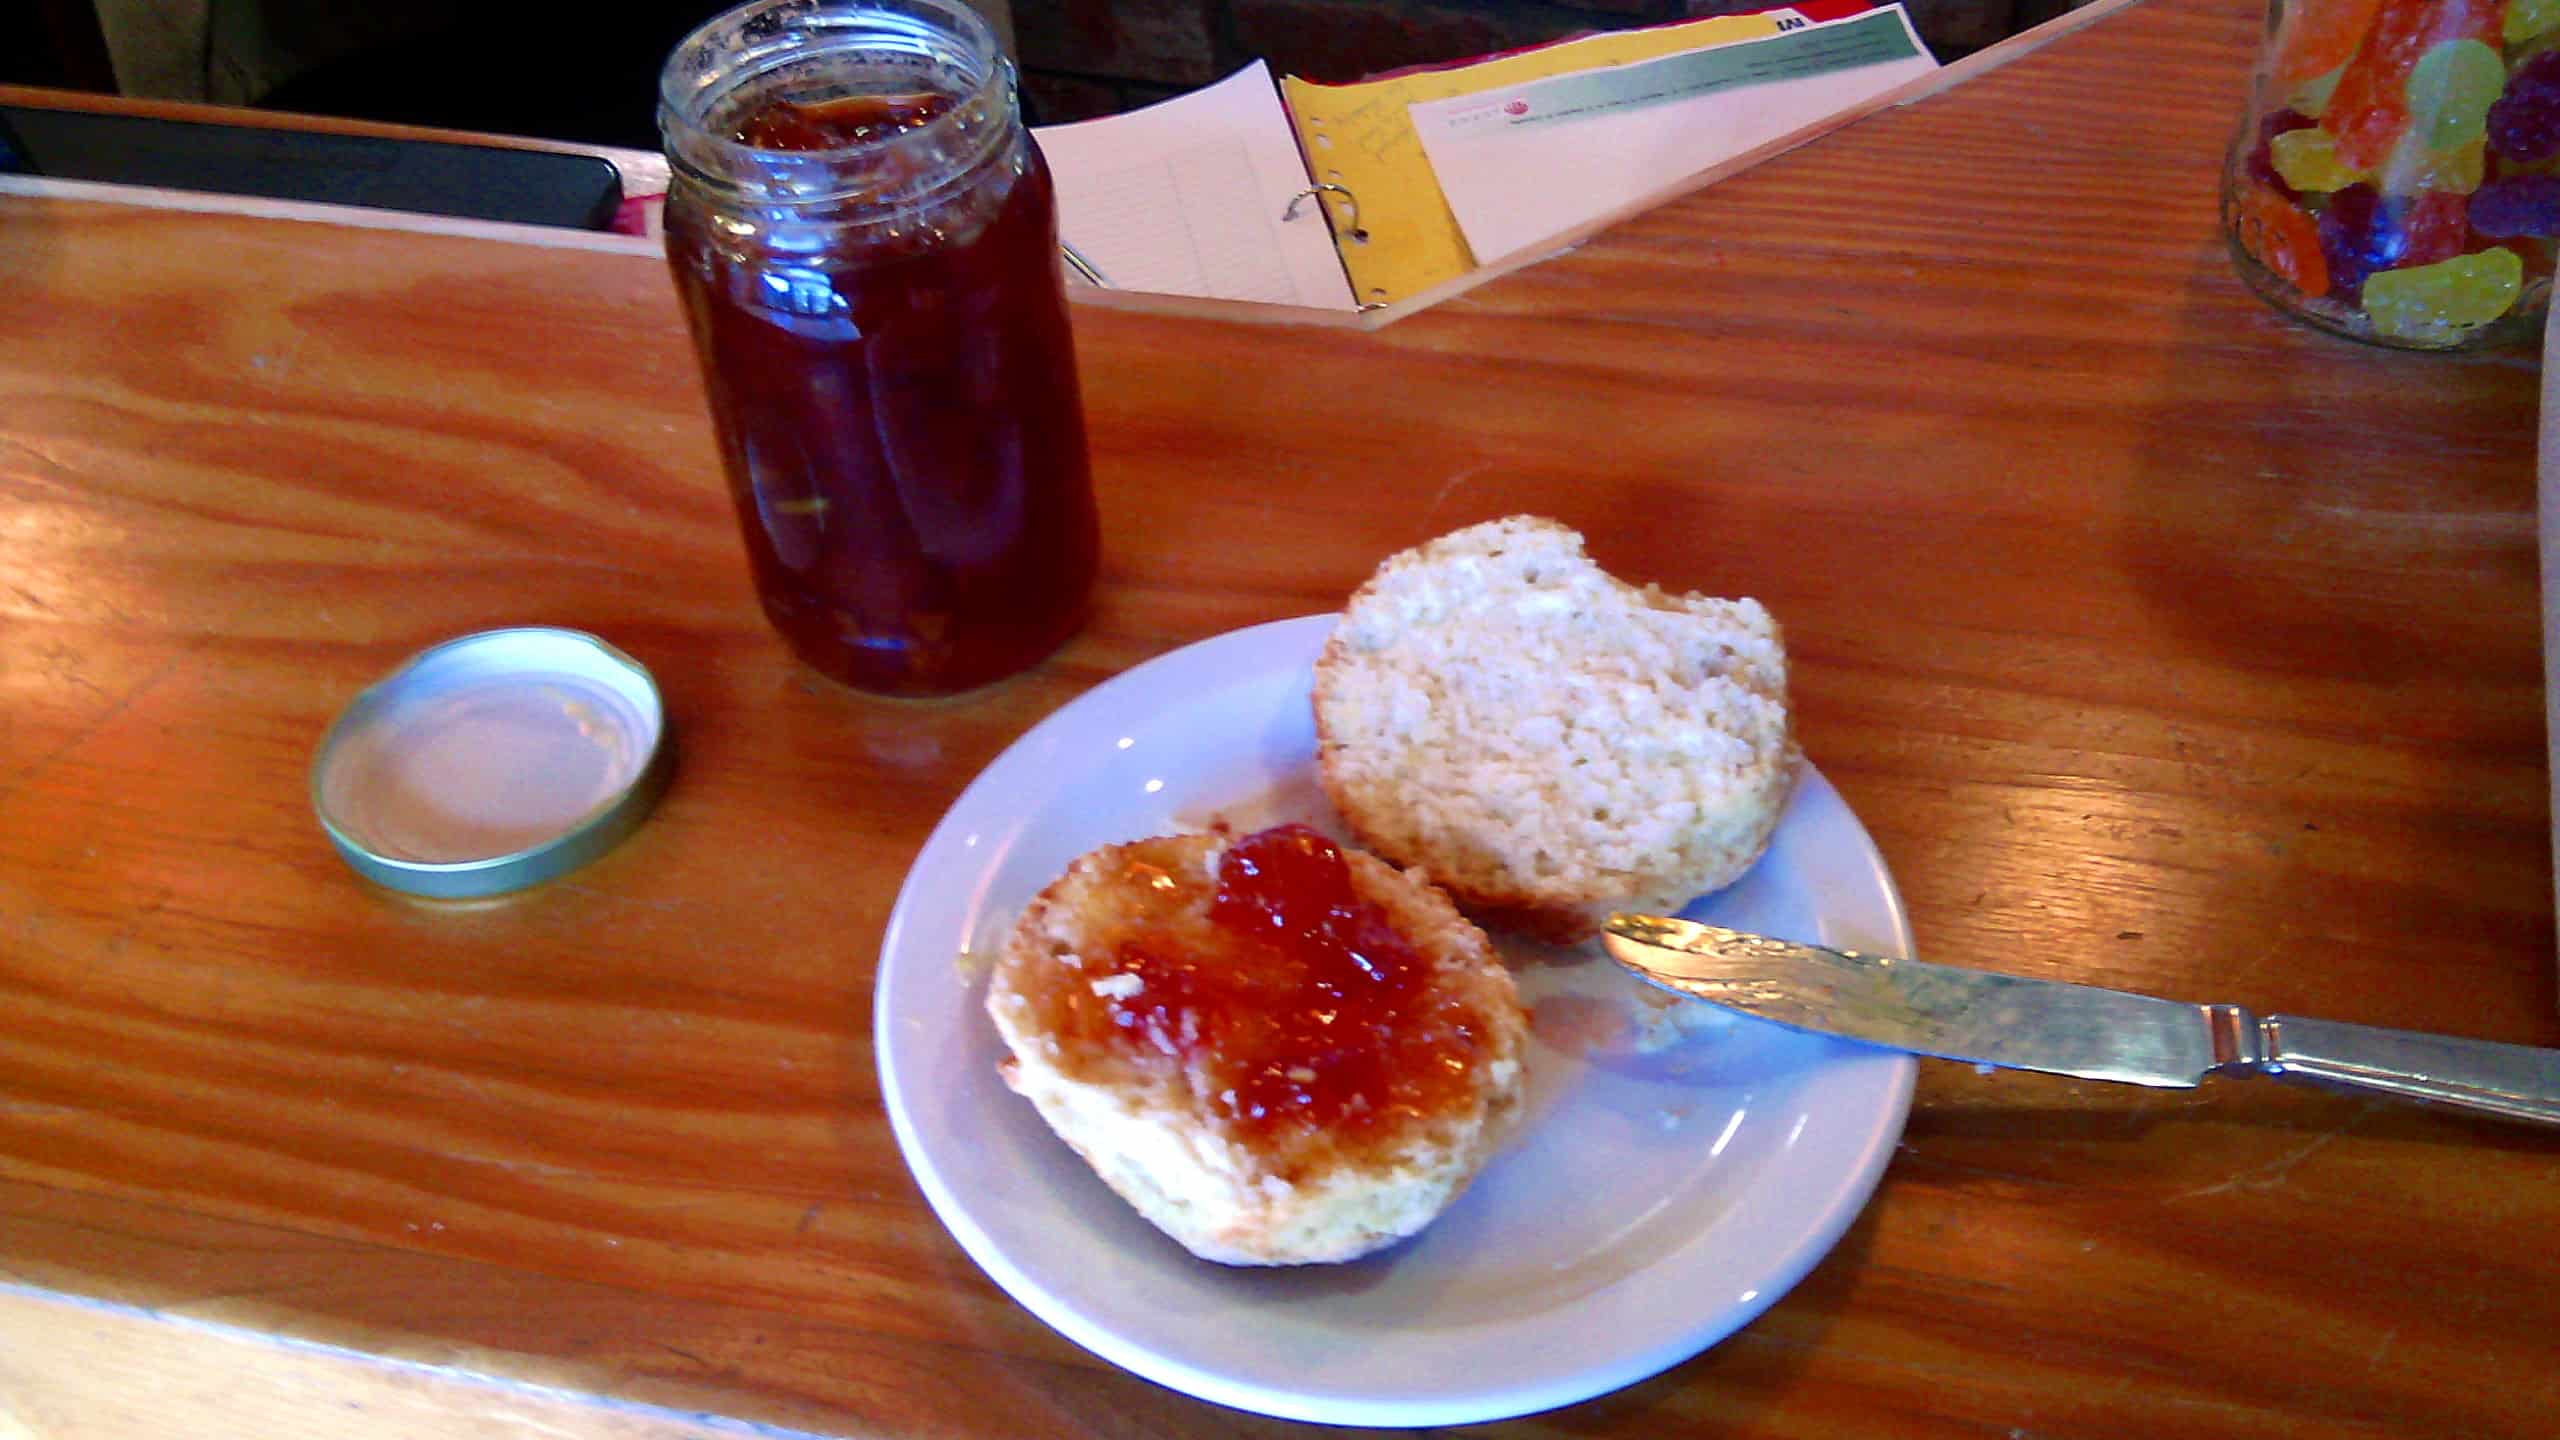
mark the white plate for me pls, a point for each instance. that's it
(1649, 1208)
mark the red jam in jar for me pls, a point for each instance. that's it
(865, 242)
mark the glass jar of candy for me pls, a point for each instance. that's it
(2396, 178)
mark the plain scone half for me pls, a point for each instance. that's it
(1550, 742)
(1258, 1110)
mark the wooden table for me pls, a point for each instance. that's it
(2160, 642)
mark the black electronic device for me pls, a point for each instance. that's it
(431, 177)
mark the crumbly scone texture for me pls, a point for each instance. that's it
(1152, 1134)
(1548, 741)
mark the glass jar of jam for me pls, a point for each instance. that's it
(865, 241)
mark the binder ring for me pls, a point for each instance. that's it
(1350, 228)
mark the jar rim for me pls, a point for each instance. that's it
(765, 36)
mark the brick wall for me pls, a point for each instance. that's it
(1082, 58)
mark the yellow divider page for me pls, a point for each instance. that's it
(1359, 137)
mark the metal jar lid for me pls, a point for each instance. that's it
(492, 762)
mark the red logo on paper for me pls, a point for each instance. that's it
(1516, 107)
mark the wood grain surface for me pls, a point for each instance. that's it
(2160, 642)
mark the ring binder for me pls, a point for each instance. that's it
(1347, 232)
(1082, 268)
(1350, 205)
(1360, 136)
(1151, 194)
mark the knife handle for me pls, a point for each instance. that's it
(2516, 1081)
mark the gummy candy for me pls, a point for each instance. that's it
(2311, 97)
(2521, 205)
(2261, 161)
(2528, 18)
(2502, 168)
(2542, 44)
(2370, 108)
(2321, 35)
(2525, 123)
(2437, 302)
(2347, 240)
(2450, 91)
(2399, 136)
(2363, 232)
(2308, 160)
(2413, 167)
(2537, 258)
(2282, 238)
(2433, 227)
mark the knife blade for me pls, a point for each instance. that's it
(2019, 1023)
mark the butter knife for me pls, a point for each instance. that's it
(2062, 1029)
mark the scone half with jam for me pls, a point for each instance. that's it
(1280, 1051)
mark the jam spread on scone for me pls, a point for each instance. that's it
(1303, 1018)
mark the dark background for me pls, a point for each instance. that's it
(582, 70)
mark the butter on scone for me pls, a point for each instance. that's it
(1548, 741)
(1280, 1051)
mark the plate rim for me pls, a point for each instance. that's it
(1841, 1203)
